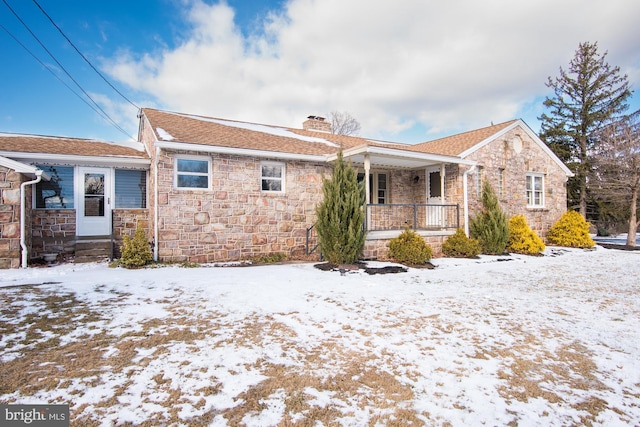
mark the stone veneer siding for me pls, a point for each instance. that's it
(10, 251)
(235, 220)
(125, 222)
(501, 154)
(53, 231)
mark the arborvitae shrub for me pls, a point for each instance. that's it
(522, 239)
(135, 252)
(340, 222)
(409, 248)
(571, 230)
(490, 226)
(461, 246)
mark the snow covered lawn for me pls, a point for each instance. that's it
(525, 341)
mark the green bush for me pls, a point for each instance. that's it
(461, 246)
(522, 239)
(340, 215)
(571, 230)
(409, 248)
(135, 252)
(490, 226)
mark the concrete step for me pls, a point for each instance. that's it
(92, 250)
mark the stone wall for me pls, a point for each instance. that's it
(10, 251)
(125, 222)
(235, 219)
(517, 154)
(378, 249)
(53, 231)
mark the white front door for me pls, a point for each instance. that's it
(94, 202)
(435, 213)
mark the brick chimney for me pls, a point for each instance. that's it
(316, 123)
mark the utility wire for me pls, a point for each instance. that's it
(82, 55)
(45, 66)
(106, 116)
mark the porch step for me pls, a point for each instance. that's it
(92, 250)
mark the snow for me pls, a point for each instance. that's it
(463, 340)
(271, 130)
(164, 135)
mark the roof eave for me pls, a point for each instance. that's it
(239, 151)
(77, 159)
(393, 152)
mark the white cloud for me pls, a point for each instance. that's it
(445, 66)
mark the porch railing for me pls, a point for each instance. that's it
(414, 216)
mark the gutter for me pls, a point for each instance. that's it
(465, 192)
(23, 207)
(155, 204)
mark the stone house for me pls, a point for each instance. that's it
(212, 190)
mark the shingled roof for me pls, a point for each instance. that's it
(214, 132)
(455, 145)
(37, 144)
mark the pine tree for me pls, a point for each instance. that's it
(340, 216)
(586, 96)
(491, 225)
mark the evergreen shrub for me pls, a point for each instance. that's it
(340, 222)
(409, 248)
(522, 239)
(571, 230)
(135, 252)
(490, 226)
(461, 246)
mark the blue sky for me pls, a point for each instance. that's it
(408, 71)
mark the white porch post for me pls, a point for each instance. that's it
(367, 168)
(367, 193)
(443, 209)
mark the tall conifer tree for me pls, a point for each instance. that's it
(340, 216)
(588, 95)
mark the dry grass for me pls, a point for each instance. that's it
(356, 378)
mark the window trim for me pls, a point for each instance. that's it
(282, 178)
(531, 193)
(176, 173)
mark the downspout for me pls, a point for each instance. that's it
(465, 194)
(155, 205)
(23, 208)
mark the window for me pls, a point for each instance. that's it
(501, 183)
(58, 192)
(382, 188)
(272, 177)
(192, 172)
(479, 177)
(535, 190)
(377, 187)
(131, 189)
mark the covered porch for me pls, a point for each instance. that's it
(408, 188)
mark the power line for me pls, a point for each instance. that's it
(45, 66)
(105, 115)
(82, 55)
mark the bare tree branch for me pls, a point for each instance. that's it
(342, 123)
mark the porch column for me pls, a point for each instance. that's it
(443, 210)
(367, 168)
(367, 194)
